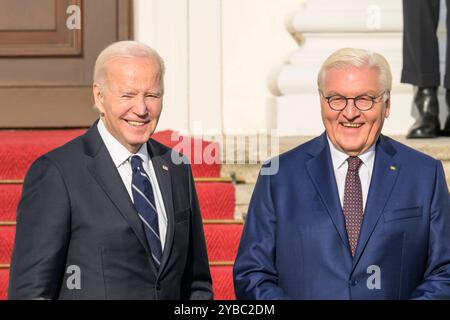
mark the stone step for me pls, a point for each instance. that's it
(249, 172)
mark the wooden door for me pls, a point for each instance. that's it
(47, 54)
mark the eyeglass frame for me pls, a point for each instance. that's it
(354, 100)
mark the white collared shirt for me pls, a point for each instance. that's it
(340, 166)
(121, 158)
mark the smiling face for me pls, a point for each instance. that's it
(351, 130)
(130, 101)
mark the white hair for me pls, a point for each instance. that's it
(358, 58)
(125, 49)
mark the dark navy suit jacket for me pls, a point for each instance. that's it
(76, 211)
(295, 245)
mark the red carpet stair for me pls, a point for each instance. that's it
(19, 148)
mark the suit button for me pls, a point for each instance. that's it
(353, 282)
(158, 286)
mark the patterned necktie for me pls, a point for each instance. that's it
(353, 202)
(144, 202)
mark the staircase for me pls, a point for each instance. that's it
(216, 193)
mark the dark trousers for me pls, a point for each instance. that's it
(420, 44)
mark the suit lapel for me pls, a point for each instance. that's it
(162, 171)
(384, 175)
(102, 168)
(320, 169)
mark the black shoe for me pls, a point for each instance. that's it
(427, 122)
(446, 131)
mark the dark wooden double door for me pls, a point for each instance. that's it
(47, 54)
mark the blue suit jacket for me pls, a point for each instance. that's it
(295, 244)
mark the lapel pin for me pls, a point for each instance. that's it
(165, 168)
(392, 168)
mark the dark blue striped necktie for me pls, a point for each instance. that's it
(144, 202)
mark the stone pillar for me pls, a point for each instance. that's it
(322, 26)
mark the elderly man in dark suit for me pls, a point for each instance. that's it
(109, 215)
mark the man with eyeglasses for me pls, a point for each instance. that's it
(351, 214)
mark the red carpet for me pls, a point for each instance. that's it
(19, 148)
(4, 274)
(216, 200)
(6, 243)
(9, 198)
(222, 241)
(204, 156)
(222, 277)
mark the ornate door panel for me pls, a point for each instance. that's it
(47, 54)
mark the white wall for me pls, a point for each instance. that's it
(222, 57)
(162, 25)
(255, 44)
(187, 34)
(219, 54)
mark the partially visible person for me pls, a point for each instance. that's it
(351, 214)
(421, 66)
(109, 215)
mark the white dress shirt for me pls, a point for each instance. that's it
(340, 166)
(121, 158)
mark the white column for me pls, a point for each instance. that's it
(255, 43)
(324, 26)
(187, 34)
(163, 25)
(205, 65)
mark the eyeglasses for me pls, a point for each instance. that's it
(363, 102)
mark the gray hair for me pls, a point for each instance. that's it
(358, 58)
(126, 49)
